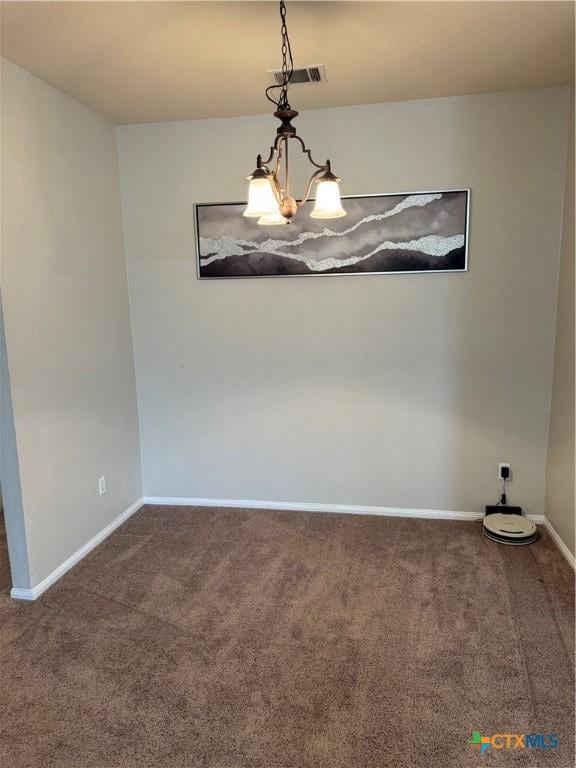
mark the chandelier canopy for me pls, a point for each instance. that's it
(269, 198)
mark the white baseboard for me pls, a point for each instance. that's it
(350, 509)
(298, 506)
(32, 594)
(559, 543)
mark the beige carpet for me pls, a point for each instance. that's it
(250, 639)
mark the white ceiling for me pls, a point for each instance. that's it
(153, 61)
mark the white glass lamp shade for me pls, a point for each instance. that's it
(328, 204)
(261, 198)
(272, 219)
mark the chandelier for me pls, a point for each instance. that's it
(269, 198)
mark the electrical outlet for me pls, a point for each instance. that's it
(504, 472)
(102, 485)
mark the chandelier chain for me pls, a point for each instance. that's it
(287, 65)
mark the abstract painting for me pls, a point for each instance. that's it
(381, 234)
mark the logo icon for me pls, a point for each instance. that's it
(480, 742)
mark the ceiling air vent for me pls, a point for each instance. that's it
(311, 74)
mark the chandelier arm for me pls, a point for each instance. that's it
(306, 151)
(311, 181)
(260, 162)
(273, 150)
(276, 188)
(278, 159)
(286, 168)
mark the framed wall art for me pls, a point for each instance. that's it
(381, 234)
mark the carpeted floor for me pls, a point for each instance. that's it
(250, 639)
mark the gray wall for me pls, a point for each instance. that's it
(560, 469)
(388, 390)
(67, 321)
